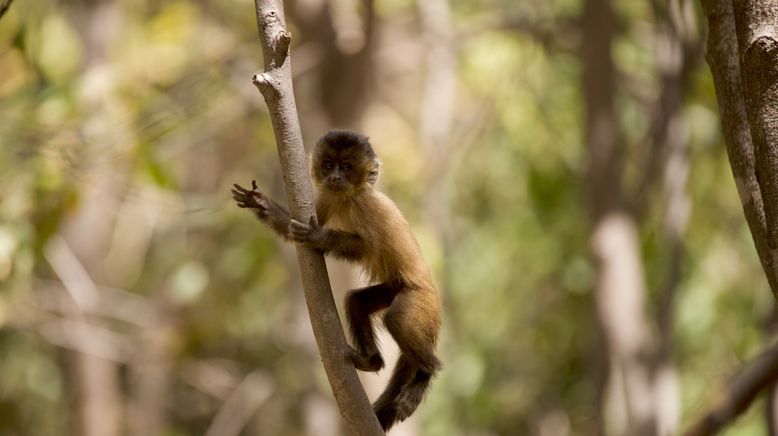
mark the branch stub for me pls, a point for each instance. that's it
(266, 85)
(281, 44)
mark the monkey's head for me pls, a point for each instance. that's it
(344, 161)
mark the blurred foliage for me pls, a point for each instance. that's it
(145, 110)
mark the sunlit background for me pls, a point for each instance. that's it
(136, 299)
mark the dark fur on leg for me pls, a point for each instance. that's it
(360, 304)
(385, 407)
(404, 392)
(412, 394)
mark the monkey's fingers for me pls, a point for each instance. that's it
(297, 226)
(297, 238)
(298, 231)
(242, 199)
(253, 185)
(241, 189)
(253, 193)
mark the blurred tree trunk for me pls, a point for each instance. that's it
(344, 42)
(626, 385)
(87, 232)
(98, 399)
(151, 371)
(677, 49)
(437, 113)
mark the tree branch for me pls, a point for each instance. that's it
(724, 62)
(742, 389)
(758, 41)
(275, 84)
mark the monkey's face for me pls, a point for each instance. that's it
(344, 162)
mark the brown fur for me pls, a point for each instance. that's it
(362, 225)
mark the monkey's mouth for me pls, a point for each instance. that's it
(337, 186)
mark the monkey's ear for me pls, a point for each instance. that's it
(372, 175)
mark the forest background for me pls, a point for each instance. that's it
(135, 298)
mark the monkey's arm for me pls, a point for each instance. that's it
(265, 209)
(345, 245)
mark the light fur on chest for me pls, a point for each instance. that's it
(344, 221)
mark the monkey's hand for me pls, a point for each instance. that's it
(311, 233)
(253, 199)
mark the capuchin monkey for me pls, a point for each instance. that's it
(358, 223)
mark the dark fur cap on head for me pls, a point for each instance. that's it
(341, 140)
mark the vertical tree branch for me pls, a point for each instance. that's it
(749, 118)
(275, 84)
(756, 23)
(724, 62)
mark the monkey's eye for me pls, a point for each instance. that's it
(327, 165)
(346, 167)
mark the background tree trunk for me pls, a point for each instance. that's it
(626, 388)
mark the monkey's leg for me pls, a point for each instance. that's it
(360, 304)
(385, 406)
(413, 329)
(405, 320)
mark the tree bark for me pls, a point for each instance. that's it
(723, 59)
(275, 84)
(743, 57)
(756, 23)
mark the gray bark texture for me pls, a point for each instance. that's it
(742, 53)
(756, 23)
(723, 57)
(275, 84)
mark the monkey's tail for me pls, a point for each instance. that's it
(405, 390)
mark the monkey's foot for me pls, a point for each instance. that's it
(372, 362)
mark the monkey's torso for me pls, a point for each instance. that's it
(393, 254)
